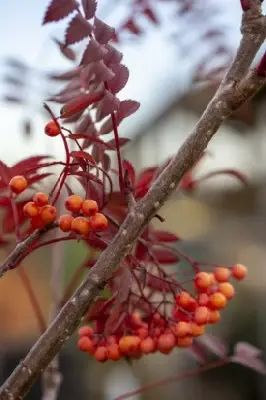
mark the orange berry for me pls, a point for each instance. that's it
(73, 203)
(100, 354)
(222, 274)
(98, 222)
(48, 214)
(166, 343)
(186, 341)
(37, 222)
(135, 320)
(227, 290)
(80, 225)
(239, 271)
(201, 315)
(113, 352)
(142, 333)
(197, 330)
(128, 345)
(213, 280)
(85, 331)
(203, 299)
(214, 316)
(111, 340)
(65, 222)
(31, 210)
(40, 199)
(86, 344)
(186, 301)
(182, 329)
(52, 129)
(18, 184)
(147, 345)
(203, 280)
(217, 301)
(90, 207)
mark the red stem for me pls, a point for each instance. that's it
(119, 159)
(176, 378)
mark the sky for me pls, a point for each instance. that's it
(158, 70)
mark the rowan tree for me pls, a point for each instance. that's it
(149, 307)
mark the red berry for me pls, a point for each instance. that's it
(86, 344)
(100, 354)
(203, 280)
(182, 329)
(214, 316)
(40, 199)
(147, 345)
(73, 203)
(186, 301)
(113, 352)
(31, 210)
(52, 129)
(48, 214)
(90, 207)
(186, 341)
(18, 184)
(239, 271)
(80, 225)
(166, 343)
(85, 331)
(217, 301)
(98, 222)
(65, 222)
(227, 290)
(222, 274)
(201, 315)
(129, 345)
(37, 222)
(196, 329)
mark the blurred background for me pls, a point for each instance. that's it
(222, 222)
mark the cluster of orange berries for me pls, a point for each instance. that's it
(158, 334)
(84, 215)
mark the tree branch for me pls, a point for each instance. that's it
(235, 89)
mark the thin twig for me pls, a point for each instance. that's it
(232, 93)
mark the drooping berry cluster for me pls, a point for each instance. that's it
(84, 215)
(158, 332)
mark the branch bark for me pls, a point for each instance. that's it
(236, 88)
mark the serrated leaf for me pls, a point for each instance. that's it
(66, 51)
(65, 76)
(245, 349)
(59, 9)
(127, 166)
(83, 155)
(87, 175)
(215, 345)
(84, 124)
(165, 256)
(37, 178)
(102, 31)
(101, 72)
(144, 181)
(150, 14)
(112, 56)
(93, 52)
(80, 103)
(165, 237)
(89, 8)
(77, 30)
(132, 26)
(120, 79)
(106, 127)
(5, 173)
(158, 284)
(107, 105)
(112, 144)
(127, 108)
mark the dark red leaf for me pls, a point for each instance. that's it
(245, 349)
(158, 284)
(80, 103)
(77, 30)
(4, 201)
(112, 56)
(127, 108)
(164, 236)
(108, 105)
(106, 162)
(236, 174)
(214, 345)
(121, 77)
(87, 175)
(99, 307)
(96, 243)
(89, 8)
(165, 256)
(132, 27)
(141, 251)
(150, 14)
(112, 145)
(130, 170)
(23, 166)
(5, 173)
(3, 241)
(115, 320)
(144, 180)
(106, 127)
(83, 155)
(66, 51)
(37, 178)
(65, 76)
(93, 52)
(59, 9)
(84, 124)
(102, 32)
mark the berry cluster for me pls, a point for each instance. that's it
(84, 215)
(138, 335)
